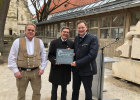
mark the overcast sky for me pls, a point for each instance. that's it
(31, 7)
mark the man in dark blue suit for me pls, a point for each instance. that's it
(84, 66)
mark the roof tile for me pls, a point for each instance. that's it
(71, 4)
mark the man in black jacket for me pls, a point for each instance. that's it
(60, 74)
(84, 66)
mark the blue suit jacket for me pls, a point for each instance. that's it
(85, 55)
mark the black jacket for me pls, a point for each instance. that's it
(86, 50)
(59, 74)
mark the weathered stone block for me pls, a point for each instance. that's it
(127, 69)
(125, 50)
(135, 52)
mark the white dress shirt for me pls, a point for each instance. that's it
(63, 40)
(12, 59)
(84, 35)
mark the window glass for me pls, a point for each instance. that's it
(58, 26)
(52, 31)
(135, 17)
(49, 30)
(104, 33)
(98, 3)
(93, 31)
(112, 26)
(117, 32)
(71, 25)
(38, 31)
(121, 31)
(42, 30)
(46, 30)
(62, 24)
(88, 23)
(112, 0)
(93, 23)
(117, 20)
(105, 21)
(55, 30)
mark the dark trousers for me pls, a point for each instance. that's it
(63, 92)
(87, 82)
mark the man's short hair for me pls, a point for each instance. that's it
(30, 24)
(81, 21)
(65, 27)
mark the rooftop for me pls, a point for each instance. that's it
(90, 9)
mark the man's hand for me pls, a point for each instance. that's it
(57, 63)
(40, 72)
(68, 48)
(73, 64)
(17, 75)
(73, 54)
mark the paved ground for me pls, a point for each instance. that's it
(116, 88)
(8, 89)
(121, 89)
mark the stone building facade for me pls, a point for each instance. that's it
(18, 16)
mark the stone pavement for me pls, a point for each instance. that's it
(116, 88)
(119, 88)
(8, 90)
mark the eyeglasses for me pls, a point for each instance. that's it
(31, 30)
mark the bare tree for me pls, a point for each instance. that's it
(4, 5)
(42, 12)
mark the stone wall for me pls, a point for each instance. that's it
(18, 16)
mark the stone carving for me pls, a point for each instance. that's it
(129, 48)
(128, 68)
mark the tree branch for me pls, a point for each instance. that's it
(43, 12)
(58, 5)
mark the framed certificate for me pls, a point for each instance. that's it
(64, 56)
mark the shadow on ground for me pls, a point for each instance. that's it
(4, 56)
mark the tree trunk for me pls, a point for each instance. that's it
(4, 6)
